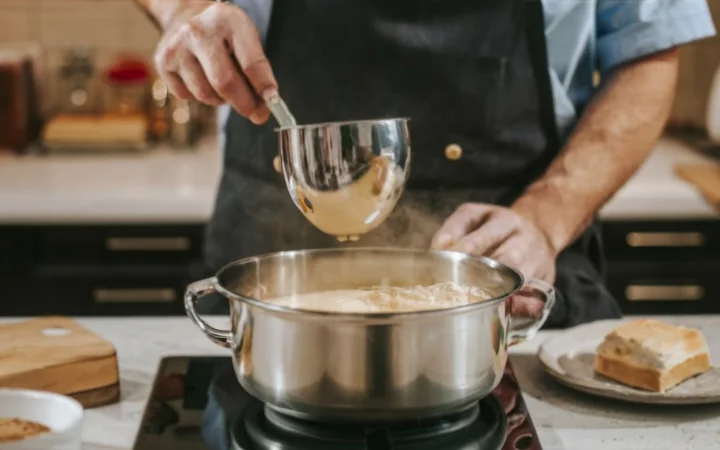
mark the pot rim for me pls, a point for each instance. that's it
(313, 126)
(272, 307)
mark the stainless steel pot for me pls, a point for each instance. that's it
(366, 367)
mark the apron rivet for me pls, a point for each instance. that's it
(453, 152)
(277, 164)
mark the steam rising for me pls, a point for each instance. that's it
(412, 224)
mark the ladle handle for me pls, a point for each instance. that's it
(280, 111)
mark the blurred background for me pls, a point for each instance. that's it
(106, 181)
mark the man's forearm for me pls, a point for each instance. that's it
(613, 138)
(162, 11)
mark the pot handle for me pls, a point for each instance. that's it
(195, 292)
(547, 292)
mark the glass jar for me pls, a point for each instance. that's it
(78, 93)
(128, 82)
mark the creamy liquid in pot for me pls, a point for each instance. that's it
(386, 299)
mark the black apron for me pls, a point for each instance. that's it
(467, 72)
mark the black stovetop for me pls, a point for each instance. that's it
(197, 404)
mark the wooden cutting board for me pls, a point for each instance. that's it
(57, 354)
(706, 179)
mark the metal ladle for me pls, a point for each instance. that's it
(345, 177)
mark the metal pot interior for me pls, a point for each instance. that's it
(260, 278)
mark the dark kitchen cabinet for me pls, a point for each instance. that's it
(664, 266)
(653, 267)
(98, 270)
(117, 245)
(15, 250)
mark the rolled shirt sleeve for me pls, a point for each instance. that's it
(630, 29)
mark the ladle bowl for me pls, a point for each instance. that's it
(346, 177)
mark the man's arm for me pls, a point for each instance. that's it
(635, 46)
(614, 136)
(161, 12)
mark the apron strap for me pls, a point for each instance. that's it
(537, 43)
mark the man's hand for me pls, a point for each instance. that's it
(212, 52)
(502, 234)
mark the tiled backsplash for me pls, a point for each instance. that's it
(108, 27)
(57, 24)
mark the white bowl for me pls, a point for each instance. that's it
(63, 415)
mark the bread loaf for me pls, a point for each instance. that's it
(68, 129)
(652, 355)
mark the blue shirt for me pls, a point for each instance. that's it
(585, 36)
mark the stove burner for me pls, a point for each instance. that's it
(398, 432)
(215, 413)
(482, 426)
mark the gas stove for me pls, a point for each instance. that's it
(197, 404)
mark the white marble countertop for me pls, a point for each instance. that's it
(162, 185)
(180, 186)
(656, 192)
(565, 420)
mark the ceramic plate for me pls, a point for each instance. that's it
(569, 358)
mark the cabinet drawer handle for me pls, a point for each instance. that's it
(165, 244)
(134, 295)
(691, 239)
(640, 293)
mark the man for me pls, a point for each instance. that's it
(514, 148)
